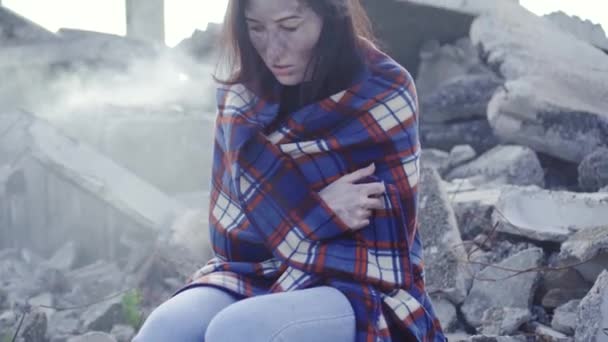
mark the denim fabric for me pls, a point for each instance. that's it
(212, 315)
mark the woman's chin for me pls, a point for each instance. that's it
(288, 80)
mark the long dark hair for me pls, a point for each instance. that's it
(337, 55)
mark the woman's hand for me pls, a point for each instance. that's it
(353, 203)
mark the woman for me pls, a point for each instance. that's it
(314, 188)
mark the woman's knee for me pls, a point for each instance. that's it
(314, 314)
(184, 317)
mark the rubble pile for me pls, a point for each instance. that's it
(514, 151)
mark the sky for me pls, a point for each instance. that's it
(182, 17)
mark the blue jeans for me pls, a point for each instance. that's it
(212, 315)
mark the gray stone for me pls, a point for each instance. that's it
(564, 213)
(63, 324)
(445, 256)
(44, 303)
(461, 154)
(103, 316)
(593, 170)
(34, 328)
(93, 336)
(505, 164)
(582, 29)
(588, 250)
(434, 158)
(498, 251)
(494, 338)
(64, 258)
(556, 94)
(8, 319)
(123, 333)
(592, 316)
(564, 317)
(476, 133)
(97, 280)
(461, 98)
(504, 320)
(546, 333)
(440, 63)
(557, 297)
(52, 279)
(566, 279)
(3, 299)
(446, 313)
(201, 45)
(497, 287)
(473, 206)
(457, 336)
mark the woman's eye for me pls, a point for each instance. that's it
(290, 29)
(256, 28)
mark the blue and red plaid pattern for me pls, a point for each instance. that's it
(272, 232)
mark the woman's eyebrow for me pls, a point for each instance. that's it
(294, 16)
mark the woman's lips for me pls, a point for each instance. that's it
(282, 70)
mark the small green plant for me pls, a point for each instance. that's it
(7, 337)
(131, 304)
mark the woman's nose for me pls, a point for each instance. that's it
(275, 49)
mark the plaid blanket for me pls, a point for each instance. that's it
(272, 232)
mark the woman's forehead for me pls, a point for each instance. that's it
(274, 10)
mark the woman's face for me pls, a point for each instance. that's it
(284, 33)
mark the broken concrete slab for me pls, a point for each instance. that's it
(592, 316)
(546, 333)
(460, 98)
(495, 287)
(446, 313)
(473, 206)
(34, 327)
(95, 193)
(388, 16)
(504, 164)
(593, 170)
(587, 250)
(64, 258)
(103, 316)
(504, 320)
(568, 279)
(582, 29)
(556, 94)
(445, 256)
(444, 136)
(440, 63)
(93, 336)
(123, 333)
(499, 250)
(564, 317)
(432, 157)
(564, 213)
(556, 297)
(495, 338)
(15, 29)
(461, 154)
(201, 45)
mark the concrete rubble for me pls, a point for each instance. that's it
(503, 164)
(566, 213)
(444, 246)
